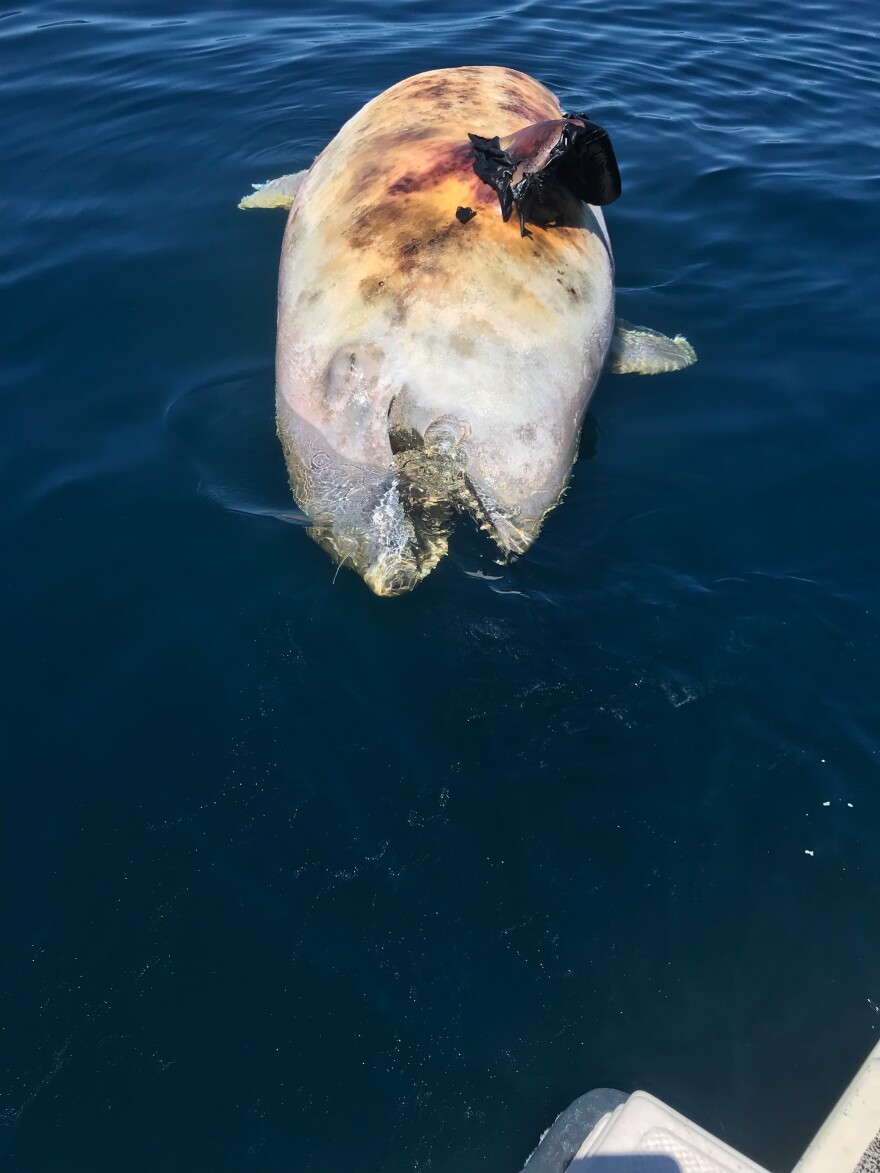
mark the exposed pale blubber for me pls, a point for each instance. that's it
(436, 353)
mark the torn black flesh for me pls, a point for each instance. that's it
(494, 166)
(571, 152)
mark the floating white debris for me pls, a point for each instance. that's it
(849, 804)
(482, 574)
(808, 852)
(827, 803)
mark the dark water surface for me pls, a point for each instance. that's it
(302, 879)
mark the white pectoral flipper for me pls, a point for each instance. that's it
(637, 350)
(277, 193)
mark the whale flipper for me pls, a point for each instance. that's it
(638, 350)
(277, 193)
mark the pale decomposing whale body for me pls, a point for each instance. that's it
(445, 309)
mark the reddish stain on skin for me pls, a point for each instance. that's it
(437, 87)
(524, 110)
(535, 138)
(416, 136)
(447, 161)
(404, 185)
(401, 209)
(451, 160)
(484, 194)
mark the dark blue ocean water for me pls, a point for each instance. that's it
(301, 879)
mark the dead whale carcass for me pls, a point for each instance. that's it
(436, 352)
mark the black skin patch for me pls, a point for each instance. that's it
(462, 215)
(581, 160)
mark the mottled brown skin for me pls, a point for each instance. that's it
(396, 311)
(409, 169)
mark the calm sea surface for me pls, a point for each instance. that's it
(301, 879)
